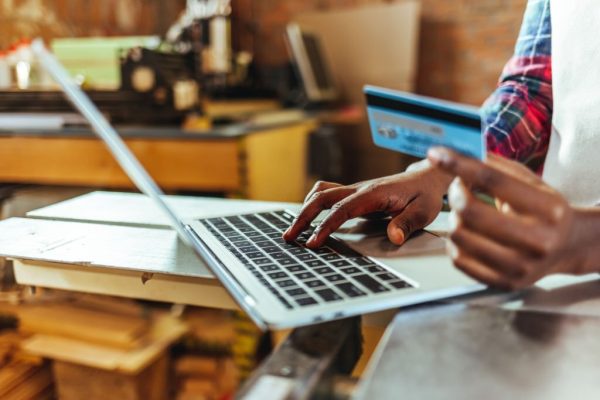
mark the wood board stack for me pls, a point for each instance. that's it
(22, 377)
(212, 359)
(101, 345)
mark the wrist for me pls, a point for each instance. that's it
(585, 238)
(435, 177)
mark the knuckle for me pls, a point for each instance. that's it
(547, 244)
(317, 198)
(486, 178)
(340, 210)
(319, 185)
(558, 212)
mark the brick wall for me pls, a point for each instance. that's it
(64, 18)
(464, 43)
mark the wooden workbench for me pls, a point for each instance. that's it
(260, 163)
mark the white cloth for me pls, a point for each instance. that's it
(573, 161)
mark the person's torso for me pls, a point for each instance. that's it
(573, 161)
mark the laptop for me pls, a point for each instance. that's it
(278, 284)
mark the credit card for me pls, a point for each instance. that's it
(411, 124)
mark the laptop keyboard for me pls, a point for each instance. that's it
(296, 275)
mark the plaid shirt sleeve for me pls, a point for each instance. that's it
(518, 115)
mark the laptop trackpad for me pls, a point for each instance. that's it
(370, 239)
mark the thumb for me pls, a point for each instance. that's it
(413, 218)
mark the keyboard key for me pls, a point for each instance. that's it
(287, 261)
(341, 263)
(314, 284)
(254, 255)
(350, 270)
(307, 257)
(248, 249)
(370, 283)
(335, 278)
(286, 283)
(362, 261)
(328, 295)
(323, 250)
(387, 276)
(305, 276)
(330, 257)
(400, 284)
(297, 292)
(295, 268)
(375, 269)
(272, 249)
(278, 275)
(261, 261)
(307, 301)
(287, 217)
(278, 256)
(350, 290)
(314, 263)
(284, 302)
(297, 251)
(324, 270)
(269, 267)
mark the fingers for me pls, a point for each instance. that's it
(350, 207)
(504, 260)
(319, 201)
(517, 170)
(512, 230)
(476, 269)
(521, 195)
(319, 187)
(414, 217)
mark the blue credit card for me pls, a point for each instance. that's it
(411, 124)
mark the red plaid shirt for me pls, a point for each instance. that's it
(518, 115)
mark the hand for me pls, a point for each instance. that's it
(534, 232)
(413, 199)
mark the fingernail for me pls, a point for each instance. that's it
(311, 240)
(456, 196)
(287, 231)
(396, 236)
(453, 221)
(452, 250)
(438, 154)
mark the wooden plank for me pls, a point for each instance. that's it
(75, 382)
(163, 333)
(211, 165)
(182, 290)
(35, 387)
(88, 325)
(276, 163)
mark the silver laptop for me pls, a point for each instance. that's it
(279, 284)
